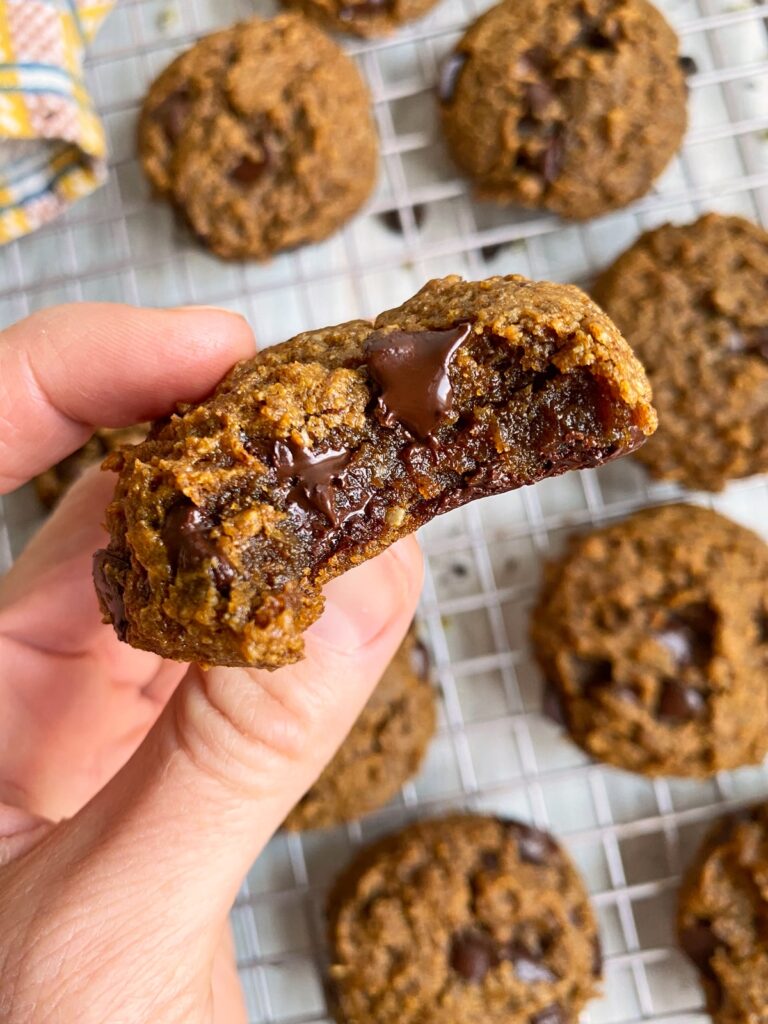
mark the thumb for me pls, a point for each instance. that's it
(159, 854)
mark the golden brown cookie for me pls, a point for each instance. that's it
(366, 18)
(384, 749)
(693, 303)
(319, 453)
(722, 917)
(462, 920)
(653, 636)
(262, 136)
(574, 106)
(52, 484)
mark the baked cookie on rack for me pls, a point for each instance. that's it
(573, 106)
(366, 18)
(319, 453)
(52, 484)
(722, 913)
(462, 919)
(693, 303)
(384, 749)
(262, 136)
(653, 638)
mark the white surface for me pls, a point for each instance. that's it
(494, 751)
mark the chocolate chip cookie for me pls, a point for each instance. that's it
(574, 106)
(653, 635)
(366, 18)
(463, 919)
(723, 914)
(318, 453)
(262, 137)
(384, 749)
(693, 301)
(52, 484)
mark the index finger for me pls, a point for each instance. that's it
(68, 369)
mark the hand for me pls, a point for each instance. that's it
(173, 779)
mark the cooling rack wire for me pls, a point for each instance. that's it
(494, 751)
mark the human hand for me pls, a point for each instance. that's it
(173, 778)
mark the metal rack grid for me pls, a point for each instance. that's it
(630, 836)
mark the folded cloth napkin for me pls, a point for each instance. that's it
(52, 145)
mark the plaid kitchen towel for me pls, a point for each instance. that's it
(52, 145)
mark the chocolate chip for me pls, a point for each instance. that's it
(535, 60)
(449, 76)
(533, 845)
(490, 860)
(185, 534)
(247, 171)
(552, 704)
(552, 161)
(411, 369)
(762, 627)
(597, 957)
(688, 65)
(598, 34)
(109, 587)
(393, 219)
(420, 660)
(473, 954)
(700, 943)
(688, 635)
(549, 1015)
(679, 703)
(538, 96)
(528, 968)
(365, 9)
(590, 674)
(318, 475)
(172, 113)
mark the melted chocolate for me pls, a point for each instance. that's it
(411, 368)
(318, 476)
(450, 71)
(109, 591)
(186, 537)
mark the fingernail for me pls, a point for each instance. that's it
(363, 602)
(205, 309)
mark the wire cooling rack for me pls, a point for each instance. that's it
(493, 751)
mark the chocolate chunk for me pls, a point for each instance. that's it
(700, 943)
(689, 635)
(591, 674)
(393, 219)
(752, 342)
(449, 76)
(172, 113)
(528, 968)
(552, 161)
(247, 171)
(365, 8)
(412, 371)
(762, 627)
(688, 65)
(186, 537)
(552, 704)
(534, 61)
(420, 660)
(473, 954)
(488, 252)
(109, 591)
(317, 475)
(533, 845)
(597, 957)
(549, 1015)
(490, 860)
(679, 703)
(538, 96)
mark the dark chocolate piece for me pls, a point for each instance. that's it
(700, 943)
(393, 219)
(172, 113)
(412, 372)
(187, 541)
(248, 171)
(679, 703)
(533, 845)
(549, 1015)
(110, 593)
(317, 477)
(528, 968)
(473, 954)
(688, 65)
